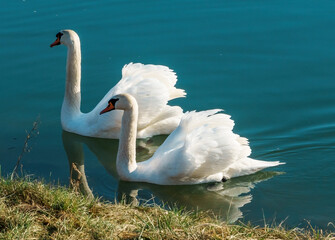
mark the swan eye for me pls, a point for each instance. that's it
(110, 106)
(59, 35)
(113, 101)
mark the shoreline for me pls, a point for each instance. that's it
(31, 209)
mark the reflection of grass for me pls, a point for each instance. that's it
(33, 210)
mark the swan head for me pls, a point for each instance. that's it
(122, 102)
(66, 37)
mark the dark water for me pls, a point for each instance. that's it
(269, 64)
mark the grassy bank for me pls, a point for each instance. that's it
(33, 210)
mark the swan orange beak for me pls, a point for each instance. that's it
(110, 107)
(55, 43)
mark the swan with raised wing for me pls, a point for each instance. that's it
(151, 85)
(203, 148)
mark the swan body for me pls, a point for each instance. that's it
(151, 85)
(203, 148)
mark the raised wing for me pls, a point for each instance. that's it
(152, 86)
(202, 145)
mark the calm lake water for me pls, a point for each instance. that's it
(269, 64)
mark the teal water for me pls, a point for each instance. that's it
(269, 64)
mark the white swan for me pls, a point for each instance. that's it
(151, 85)
(203, 148)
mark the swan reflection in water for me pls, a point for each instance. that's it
(224, 199)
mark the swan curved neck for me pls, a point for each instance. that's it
(126, 157)
(72, 97)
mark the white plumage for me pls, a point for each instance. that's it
(203, 148)
(151, 85)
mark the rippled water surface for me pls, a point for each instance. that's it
(269, 64)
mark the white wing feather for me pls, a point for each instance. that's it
(202, 149)
(152, 86)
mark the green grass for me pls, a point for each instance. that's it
(33, 210)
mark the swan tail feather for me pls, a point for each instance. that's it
(248, 166)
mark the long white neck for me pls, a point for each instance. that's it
(72, 97)
(126, 157)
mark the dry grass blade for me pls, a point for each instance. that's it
(33, 131)
(33, 210)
